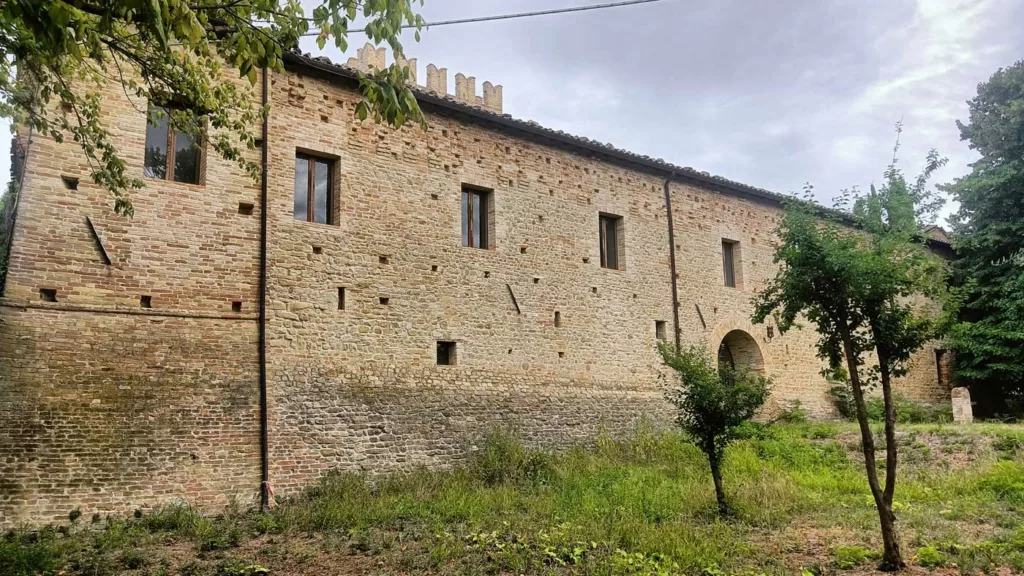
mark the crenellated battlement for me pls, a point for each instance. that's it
(369, 58)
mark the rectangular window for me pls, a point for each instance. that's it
(729, 262)
(170, 154)
(313, 185)
(659, 329)
(341, 298)
(475, 218)
(609, 228)
(445, 353)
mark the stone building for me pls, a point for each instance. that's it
(420, 285)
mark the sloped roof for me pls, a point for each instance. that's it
(323, 66)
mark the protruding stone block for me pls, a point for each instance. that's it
(962, 412)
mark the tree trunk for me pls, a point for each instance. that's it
(716, 475)
(891, 558)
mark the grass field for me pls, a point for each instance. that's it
(643, 506)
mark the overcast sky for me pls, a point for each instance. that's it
(772, 94)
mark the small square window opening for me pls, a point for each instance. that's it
(446, 353)
(660, 329)
(48, 294)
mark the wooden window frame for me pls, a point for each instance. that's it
(468, 193)
(172, 136)
(603, 222)
(312, 159)
(729, 263)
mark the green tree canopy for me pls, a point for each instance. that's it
(181, 52)
(988, 233)
(858, 285)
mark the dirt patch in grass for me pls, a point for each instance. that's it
(943, 450)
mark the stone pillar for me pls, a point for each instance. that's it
(962, 413)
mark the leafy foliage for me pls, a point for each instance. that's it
(711, 402)
(504, 459)
(860, 288)
(184, 52)
(988, 232)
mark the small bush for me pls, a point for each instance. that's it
(504, 459)
(1006, 481)
(842, 398)
(133, 559)
(910, 411)
(847, 557)
(22, 556)
(931, 557)
(793, 413)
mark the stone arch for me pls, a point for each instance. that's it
(735, 343)
(739, 350)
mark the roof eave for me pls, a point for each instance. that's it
(331, 70)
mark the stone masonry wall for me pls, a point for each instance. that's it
(113, 406)
(105, 405)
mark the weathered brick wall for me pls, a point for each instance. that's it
(356, 388)
(105, 405)
(107, 412)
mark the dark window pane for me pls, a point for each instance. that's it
(728, 264)
(609, 241)
(186, 159)
(445, 353)
(465, 218)
(478, 209)
(156, 143)
(320, 192)
(613, 245)
(301, 188)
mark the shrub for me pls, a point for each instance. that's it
(711, 403)
(793, 413)
(133, 559)
(842, 399)
(22, 555)
(504, 459)
(910, 411)
(847, 557)
(931, 557)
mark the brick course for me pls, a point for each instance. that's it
(107, 406)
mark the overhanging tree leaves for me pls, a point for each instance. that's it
(184, 52)
(988, 232)
(711, 401)
(860, 289)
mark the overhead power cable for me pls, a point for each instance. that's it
(516, 15)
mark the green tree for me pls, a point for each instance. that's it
(859, 289)
(988, 233)
(711, 401)
(184, 52)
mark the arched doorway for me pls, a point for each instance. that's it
(739, 350)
